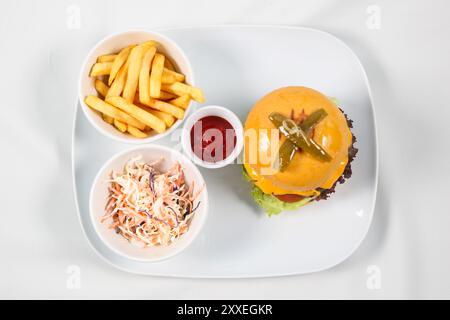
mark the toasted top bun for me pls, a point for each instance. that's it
(305, 173)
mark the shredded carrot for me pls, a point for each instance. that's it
(149, 207)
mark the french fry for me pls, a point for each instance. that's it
(167, 118)
(138, 113)
(122, 127)
(150, 43)
(118, 62)
(135, 62)
(143, 91)
(107, 58)
(156, 74)
(170, 76)
(136, 132)
(144, 75)
(105, 108)
(167, 108)
(181, 102)
(168, 64)
(101, 88)
(101, 69)
(166, 95)
(162, 110)
(180, 89)
(107, 118)
(119, 83)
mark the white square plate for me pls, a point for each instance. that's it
(235, 66)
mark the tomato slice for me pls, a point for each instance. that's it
(289, 197)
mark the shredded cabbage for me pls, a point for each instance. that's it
(148, 207)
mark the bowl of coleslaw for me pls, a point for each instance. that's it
(148, 203)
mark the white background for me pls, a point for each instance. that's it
(407, 61)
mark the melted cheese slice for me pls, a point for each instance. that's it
(305, 173)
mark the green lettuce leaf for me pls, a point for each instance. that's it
(245, 175)
(334, 100)
(270, 204)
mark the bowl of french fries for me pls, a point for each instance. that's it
(137, 86)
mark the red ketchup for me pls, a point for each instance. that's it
(213, 139)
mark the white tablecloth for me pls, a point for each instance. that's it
(405, 49)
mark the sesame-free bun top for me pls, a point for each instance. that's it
(305, 173)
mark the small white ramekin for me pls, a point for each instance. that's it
(99, 197)
(114, 43)
(212, 111)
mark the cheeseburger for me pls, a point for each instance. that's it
(297, 147)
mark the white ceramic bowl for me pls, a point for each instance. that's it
(99, 194)
(115, 43)
(219, 112)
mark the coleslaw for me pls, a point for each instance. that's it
(149, 207)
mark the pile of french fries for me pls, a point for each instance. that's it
(139, 90)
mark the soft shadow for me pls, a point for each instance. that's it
(379, 83)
